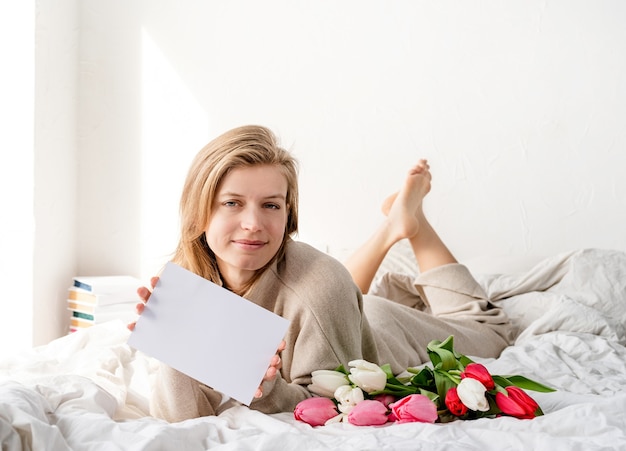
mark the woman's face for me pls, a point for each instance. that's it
(248, 221)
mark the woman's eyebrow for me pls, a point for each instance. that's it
(271, 196)
(277, 196)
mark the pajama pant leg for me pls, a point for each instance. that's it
(406, 313)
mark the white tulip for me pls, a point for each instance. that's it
(325, 382)
(336, 419)
(368, 376)
(348, 397)
(472, 393)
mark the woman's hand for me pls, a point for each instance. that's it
(144, 294)
(275, 366)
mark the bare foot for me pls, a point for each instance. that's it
(404, 208)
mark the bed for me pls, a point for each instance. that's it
(89, 390)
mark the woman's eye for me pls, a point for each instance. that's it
(272, 206)
(230, 203)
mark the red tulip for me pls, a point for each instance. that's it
(516, 403)
(480, 373)
(414, 408)
(454, 404)
(368, 413)
(315, 411)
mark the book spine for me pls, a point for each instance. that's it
(80, 323)
(82, 285)
(81, 307)
(82, 315)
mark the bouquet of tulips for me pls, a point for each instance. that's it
(454, 388)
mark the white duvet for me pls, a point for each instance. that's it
(88, 391)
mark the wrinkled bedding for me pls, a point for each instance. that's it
(89, 390)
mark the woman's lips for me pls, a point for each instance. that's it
(249, 244)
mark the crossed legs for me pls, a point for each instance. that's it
(404, 219)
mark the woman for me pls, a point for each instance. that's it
(239, 209)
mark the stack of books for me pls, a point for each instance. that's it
(94, 300)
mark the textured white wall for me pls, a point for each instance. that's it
(520, 107)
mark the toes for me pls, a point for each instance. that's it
(421, 166)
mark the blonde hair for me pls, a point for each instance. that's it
(240, 147)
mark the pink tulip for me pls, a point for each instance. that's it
(480, 373)
(516, 403)
(414, 408)
(385, 399)
(315, 411)
(368, 413)
(454, 403)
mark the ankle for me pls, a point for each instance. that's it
(390, 232)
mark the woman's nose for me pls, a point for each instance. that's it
(251, 219)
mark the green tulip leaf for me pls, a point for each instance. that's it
(424, 379)
(443, 383)
(442, 354)
(387, 369)
(522, 382)
(434, 397)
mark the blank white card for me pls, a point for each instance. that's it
(208, 333)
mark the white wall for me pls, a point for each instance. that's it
(519, 106)
(56, 152)
(17, 116)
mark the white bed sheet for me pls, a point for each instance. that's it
(89, 390)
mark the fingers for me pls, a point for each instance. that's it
(144, 294)
(276, 362)
(275, 365)
(269, 375)
(272, 371)
(139, 309)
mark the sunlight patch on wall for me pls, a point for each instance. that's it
(174, 128)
